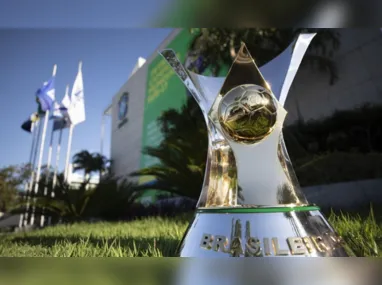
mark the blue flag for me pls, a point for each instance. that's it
(46, 95)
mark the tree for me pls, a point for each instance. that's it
(68, 203)
(182, 153)
(100, 163)
(109, 200)
(83, 161)
(218, 47)
(89, 162)
(12, 180)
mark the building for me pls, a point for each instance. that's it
(153, 87)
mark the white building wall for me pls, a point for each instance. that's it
(126, 142)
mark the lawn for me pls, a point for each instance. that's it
(156, 237)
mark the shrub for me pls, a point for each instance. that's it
(357, 130)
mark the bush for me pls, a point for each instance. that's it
(357, 130)
(338, 167)
(169, 209)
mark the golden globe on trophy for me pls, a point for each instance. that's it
(251, 204)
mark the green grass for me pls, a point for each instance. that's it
(156, 237)
(152, 237)
(362, 235)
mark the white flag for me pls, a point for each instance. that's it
(66, 100)
(76, 110)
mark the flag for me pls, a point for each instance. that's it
(60, 124)
(76, 110)
(66, 100)
(39, 110)
(28, 124)
(60, 117)
(59, 111)
(46, 95)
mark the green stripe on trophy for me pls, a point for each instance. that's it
(240, 210)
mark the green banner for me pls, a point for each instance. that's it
(164, 91)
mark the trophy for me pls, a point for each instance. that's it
(251, 204)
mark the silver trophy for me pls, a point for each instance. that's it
(251, 204)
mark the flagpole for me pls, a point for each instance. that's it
(52, 194)
(42, 219)
(57, 161)
(29, 165)
(31, 182)
(34, 126)
(73, 123)
(49, 156)
(59, 149)
(68, 151)
(46, 119)
(102, 133)
(70, 136)
(41, 152)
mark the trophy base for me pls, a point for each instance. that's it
(261, 232)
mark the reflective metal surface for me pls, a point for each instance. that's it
(296, 233)
(256, 174)
(247, 114)
(251, 204)
(220, 183)
(252, 128)
(280, 73)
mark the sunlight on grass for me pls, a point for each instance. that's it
(364, 236)
(155, 237)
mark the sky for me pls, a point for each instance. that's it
(27, 57)
(83, 13)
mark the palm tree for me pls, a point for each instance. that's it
(68, 203)
(89, 162)
(83, 161)
(109, 200)
(100, 163)
(182, 153)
